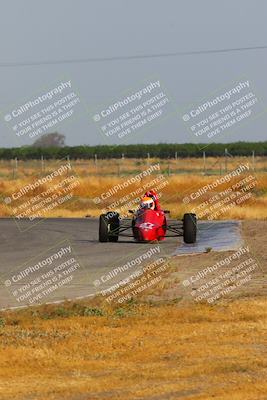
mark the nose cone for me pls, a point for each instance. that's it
(147, 231)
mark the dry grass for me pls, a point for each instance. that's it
(137, 352)
(185, 176)
(87, 350)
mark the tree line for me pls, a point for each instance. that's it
(161, 150)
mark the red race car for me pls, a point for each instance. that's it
(149, 223)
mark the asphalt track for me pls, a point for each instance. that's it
(32, 247)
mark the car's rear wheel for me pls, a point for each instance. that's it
(190, 228)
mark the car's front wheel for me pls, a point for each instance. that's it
(190, 228)
(109, 227)
(103, 228)
(114, 224)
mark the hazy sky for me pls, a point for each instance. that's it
(53, 30)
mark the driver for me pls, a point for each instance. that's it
(154, 196)
(147, 203)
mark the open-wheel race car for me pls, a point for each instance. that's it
(146, 226)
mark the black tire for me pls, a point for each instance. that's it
(108, 223)
(134, 230)
(190, 228)
(114, 226)
(103, 228)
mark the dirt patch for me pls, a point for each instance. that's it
(185, 284)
